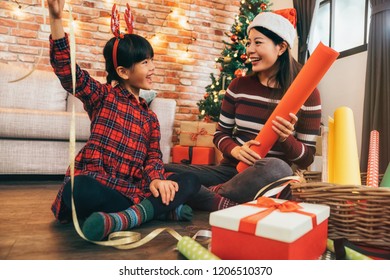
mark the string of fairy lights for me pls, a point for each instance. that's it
(176, 14)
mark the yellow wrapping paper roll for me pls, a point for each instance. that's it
(324, 153)
(346, 168)
(330, 149)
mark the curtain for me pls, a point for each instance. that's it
(376, 111)
(305, 11)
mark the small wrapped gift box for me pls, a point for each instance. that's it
(198, 134)
(193, 155)
(270, 229)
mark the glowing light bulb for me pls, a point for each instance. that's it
(186, 54)
(155, 40)
(18, 11)
(74, 24)
(183, 22)
(175, 13)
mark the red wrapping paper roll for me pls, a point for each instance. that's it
(296, 95)
(373, 160)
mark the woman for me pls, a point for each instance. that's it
(247, 105)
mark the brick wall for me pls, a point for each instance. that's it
(180, 74)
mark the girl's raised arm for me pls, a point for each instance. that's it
(55, 13)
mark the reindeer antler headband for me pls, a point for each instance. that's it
(115, 29)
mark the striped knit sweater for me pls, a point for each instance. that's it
(245, 109)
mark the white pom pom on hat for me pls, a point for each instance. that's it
(281, 22)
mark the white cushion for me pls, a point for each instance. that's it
(165, 109)
(40, 124)
(39, 91)
(35, 156)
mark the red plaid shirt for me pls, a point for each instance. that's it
(123, 151)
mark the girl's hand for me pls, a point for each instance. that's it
(283, 127)
(165, 188)
(245, 154)
(55, 8)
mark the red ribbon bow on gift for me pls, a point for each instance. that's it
(194, 136)
(248, 224)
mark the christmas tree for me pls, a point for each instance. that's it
(233, 61)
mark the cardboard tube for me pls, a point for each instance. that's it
(346, 168)
(301, 88)
(373, 160)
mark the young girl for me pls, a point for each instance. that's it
(120, 180)
(248, 103)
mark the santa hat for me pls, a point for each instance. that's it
(281, 22)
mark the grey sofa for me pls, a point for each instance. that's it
(35, 122)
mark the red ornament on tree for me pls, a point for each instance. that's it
(234, 38)
(244, 57)
(263, 6)
(238, 73)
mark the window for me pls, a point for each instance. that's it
(341, 24)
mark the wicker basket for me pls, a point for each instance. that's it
(359, 213)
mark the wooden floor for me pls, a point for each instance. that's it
(28, 230)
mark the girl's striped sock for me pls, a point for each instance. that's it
(181, 213)
(99, 225)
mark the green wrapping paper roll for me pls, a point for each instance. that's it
(349, 253)
(192, 250)
(386, 178)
